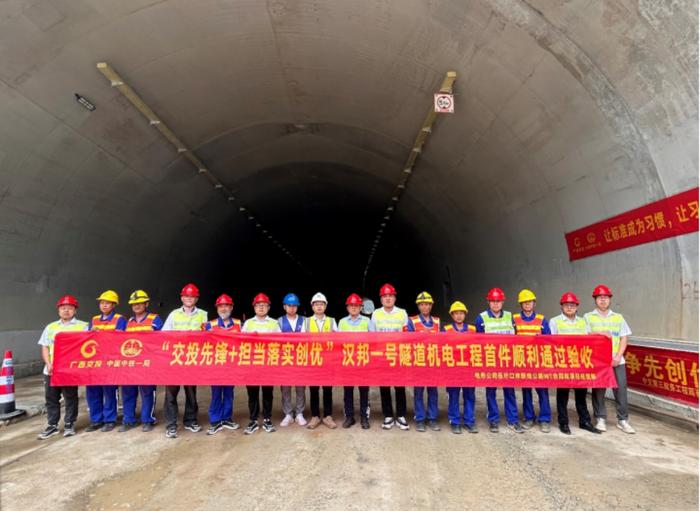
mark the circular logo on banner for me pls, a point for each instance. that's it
(132, 348)
(577, 242)
(89, 348)
(590, 237)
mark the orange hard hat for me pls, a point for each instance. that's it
(67, 300)
(190, 290)
(387, 289)
(496, 294)
(602, 289)
(353, 299)
(224, 300)
(569, 297)
(261, 298)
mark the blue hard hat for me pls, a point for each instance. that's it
(291, 299)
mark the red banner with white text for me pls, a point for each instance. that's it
(342, 358)
(665, 372)
(662, 219)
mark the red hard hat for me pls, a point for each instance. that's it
(602, 289)
(353, 299)
(67, 300)
(224, 300)
(190, 290)
(496, 294)
(387, 289)
(569, 297)
(261, 297)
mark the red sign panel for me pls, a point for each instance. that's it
(347, 358)
(662, 219)
(668, 373)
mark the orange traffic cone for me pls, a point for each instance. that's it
(7, 389)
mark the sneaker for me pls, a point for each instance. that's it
(348, 422)
(215, 428)
(314, 423)
(107, 427)
(600, 424)
(193, 427)
(456, 429)
(94, 426)
(171, 432)
(402, 423)
(147, 426)
(545, 427)
(528, 424)
(493, 427)
(268, 427)
(50, 431)
(433, 425)
(625, 426)
(471, 428)
(364, 422)
(516, 427)
(68, 430)
(420, 426)
(126, 427)
(251, 428)
(301, 420)
(288, 419)
(564, 428)
(388, 423)
(328, 421)
(232, 425)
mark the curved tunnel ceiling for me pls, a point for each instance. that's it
(566, 114)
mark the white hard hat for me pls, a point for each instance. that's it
(319, 297)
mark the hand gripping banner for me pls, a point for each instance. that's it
(347, 358)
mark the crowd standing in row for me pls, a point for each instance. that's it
(102, 399)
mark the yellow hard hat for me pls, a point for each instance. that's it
(526, 295)
(138, 296)
(424, 297)
(458, 306)
(109, 296)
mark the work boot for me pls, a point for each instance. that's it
(94, 426)
(456, 429)
(516, 427)
(50, 431)
(564, 428)
(528, 424)
(493, 427)
(314, 423)
(600, 424)
(420, 426)
(126, 427)
(230, 425)
(364, 422)
(288, 419)
(402, 423)
(147, 426)
(348, 422)
(545, 427)
(107, 427)
(68, 430)
(329, 422)
(589, 427)
(471, 428)
(625, 426)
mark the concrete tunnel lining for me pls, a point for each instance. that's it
(565, 116)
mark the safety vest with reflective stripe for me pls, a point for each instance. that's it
(286, 326)
(566, 327)
(105, 324)
(141, 326)
(419, 326)
(386, 322)
(183, 322)
(235, 325)
(502, 325)
(345, 326)
(609, 325)
(525, 327)
(57, 326)
(467, 328)
(268, 325)
(312, 325)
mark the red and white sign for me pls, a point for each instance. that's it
(444, 103)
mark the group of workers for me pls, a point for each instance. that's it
(102, 399)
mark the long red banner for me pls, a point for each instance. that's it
(347, 358)
(666, 372)
(662, 219)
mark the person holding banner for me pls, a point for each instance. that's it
(570, 323)
(221, 406)
(141, 321)
(424, 322)
(528, 322)
(292, 322)
(319, 323)
(102, 399)
(262, 323)
(390, 318)
(602, 320)
(66, 307)
(355, 322)
(186, 318)
(459, 311)
(495, 320)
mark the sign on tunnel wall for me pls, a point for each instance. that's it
(662, 219)
(347, 358)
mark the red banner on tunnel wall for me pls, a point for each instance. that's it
(347, 358)
(665, 372)
(662, 219)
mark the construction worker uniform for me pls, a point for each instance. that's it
(534, 324)
(614, 325)
(361, 324)
(221, 406)
(180, 321)
(421, 324)
(150, 323)
(102, 399)
(52, 395)
(266, 325)
(315, 325)
(487, 322)
(468, 393)
(286, 326)
(391, 321)
(561, 325)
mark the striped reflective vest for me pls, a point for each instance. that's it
(502, 325)
(266, 325)
(105, 324)
(524, 327)
(235, 325)
(345, 326)
(466, 328)
(286, 326)
(609, 325)
(141, 326)
(182, 321)
(312, 325)
(390, 322)
(419, 326)
(567, 327)
(58, 326)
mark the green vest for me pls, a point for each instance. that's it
(502, 325)
(386, 322)
(346, 326)
(566, 327)
(57, 326)
(182, 321)
(269, 325)
(610, 325)
(312, 325)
